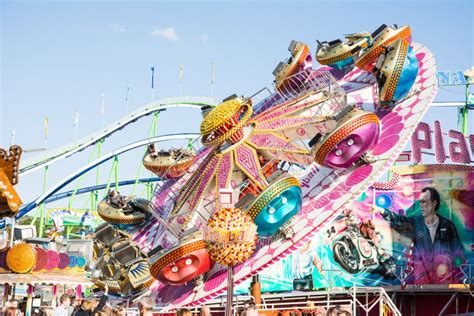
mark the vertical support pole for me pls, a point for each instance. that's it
(116, 173)
(381, 304)
(78, 291)
(256, 290)
(12, 232)
(78, 185)
(152, 133)
(366, 302)
(42, 206)
(329, 299)
(55, 294)
(465, 113)
(230, 291)
(457, 305)
(29, 300)
(354, 300)
(6, 293)
(152, 84)
(95, 194)
(149, 190)
(154, 124)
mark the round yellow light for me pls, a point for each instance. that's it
(21, 258)
(219, 115)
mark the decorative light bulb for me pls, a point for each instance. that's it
(174, 269)
(350, 142)
(271, 210)
(284, 200)
(188, 261)
(338, 152)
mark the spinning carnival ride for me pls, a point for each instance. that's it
(291, 161)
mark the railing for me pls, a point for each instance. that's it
(467, 270)
(351, 300)
(309, 81)
(382, 300)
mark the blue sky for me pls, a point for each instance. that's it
(60, 56)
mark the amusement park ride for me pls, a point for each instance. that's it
(291, 163)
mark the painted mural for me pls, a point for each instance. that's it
(389, 237)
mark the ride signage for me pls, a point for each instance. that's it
(426, 139)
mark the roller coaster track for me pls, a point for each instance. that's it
(57, 154)
(81, 171)
(64, 195)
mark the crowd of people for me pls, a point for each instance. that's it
(68, 306)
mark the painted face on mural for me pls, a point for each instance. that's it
(427, 206)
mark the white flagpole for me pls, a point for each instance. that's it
(76, 124)
(126, 97)
(152, 83)
(181, 74)
(12, 139)
(212, 79)
(102, 110)
(46, 123)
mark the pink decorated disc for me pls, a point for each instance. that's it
(41, 259)
(63, 261)
(53, 260)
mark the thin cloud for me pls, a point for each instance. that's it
(204, 38)
(117, 28)
(167, 33)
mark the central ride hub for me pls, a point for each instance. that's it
(225, 122)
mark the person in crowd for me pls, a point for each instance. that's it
(62, 309)
(250, 309)
(72, 306)
(119, 310)
(102, 302)
(21, 310)
(9, 303)
(11, 311)
(46, 311)
(183, 312)
(86, 308)
(205, 311)
(145, 306)
(338, 311)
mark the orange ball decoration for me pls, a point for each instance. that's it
(231, 236)
(21, 258)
